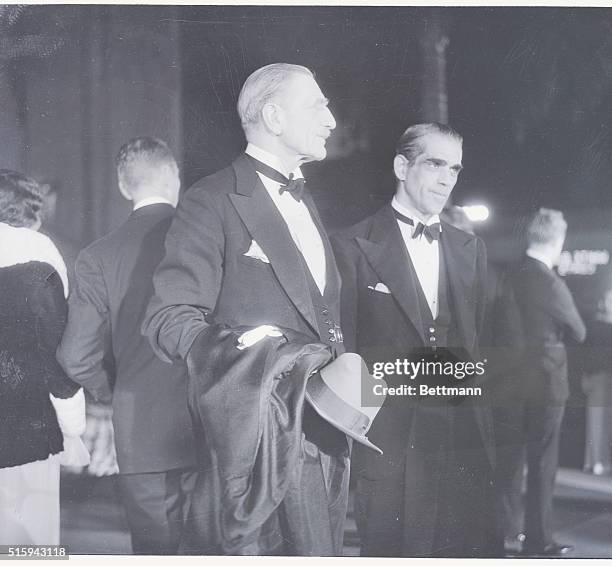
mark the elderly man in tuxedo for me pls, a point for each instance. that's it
(247, 248)
(413, 288)
(530, 421)
(103, 350)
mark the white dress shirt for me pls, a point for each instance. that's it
(425, 255)
(151, 200)
(296, 216)
(534, 254)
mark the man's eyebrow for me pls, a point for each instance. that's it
(437, 161)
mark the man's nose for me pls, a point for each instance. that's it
(328, 119)
(446, 177)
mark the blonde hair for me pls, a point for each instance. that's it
(141, 154)
(547, 226)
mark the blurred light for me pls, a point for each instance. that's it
(476, 212)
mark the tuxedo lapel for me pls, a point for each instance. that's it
(387, 254)
(268, 229)
(459, 253)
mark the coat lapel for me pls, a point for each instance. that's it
(459, 252)
(268, 229)
(387, 254)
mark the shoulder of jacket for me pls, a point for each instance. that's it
(361, 229)
(218, 183)
(467, 237)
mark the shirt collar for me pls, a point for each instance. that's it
(151, 200)
(411, 213)
(270, 159)
(534, 254)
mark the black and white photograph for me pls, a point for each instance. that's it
(305, 280)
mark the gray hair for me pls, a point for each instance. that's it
(262, 86)
(547, 226)
(409, 145)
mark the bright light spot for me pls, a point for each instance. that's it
(477, 212)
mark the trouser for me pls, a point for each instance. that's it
(313, 512)
(437, 500)
(156, 506)
(536, 440)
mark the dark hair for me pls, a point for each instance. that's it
(409, 146)
(21, 200)
(142, 149)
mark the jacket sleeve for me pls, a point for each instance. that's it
(49, 309)
(86, 338)
(346, 259)
(563, 309)
(188, 280)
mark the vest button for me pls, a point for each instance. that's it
(432, 338)
(432, 329)
(332, 339)
(324, 312)
(331, 330)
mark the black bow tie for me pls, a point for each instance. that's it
(295, 187)
(431, 232)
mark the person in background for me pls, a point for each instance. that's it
(98, 435)
(531, 421)
(103, 350)
(41, 409)
(597, 385)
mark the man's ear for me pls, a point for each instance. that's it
(124, 192)
(272, 118)
(400, 164)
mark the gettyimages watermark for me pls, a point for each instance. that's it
(426, 371)
(434, 376)
(499, 377)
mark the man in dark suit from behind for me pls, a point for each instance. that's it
(414, 287)
(153, 433)
(530, 420)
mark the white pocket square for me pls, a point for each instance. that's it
(381, 288)
(256, 252)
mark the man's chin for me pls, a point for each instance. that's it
(317, 157)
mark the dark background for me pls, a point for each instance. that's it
(529, 88)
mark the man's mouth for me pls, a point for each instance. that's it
(440, 195)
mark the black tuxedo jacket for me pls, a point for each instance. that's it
(209, 275)
(548, 316)
(385, 326)
(103, 350)
(230, 260)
